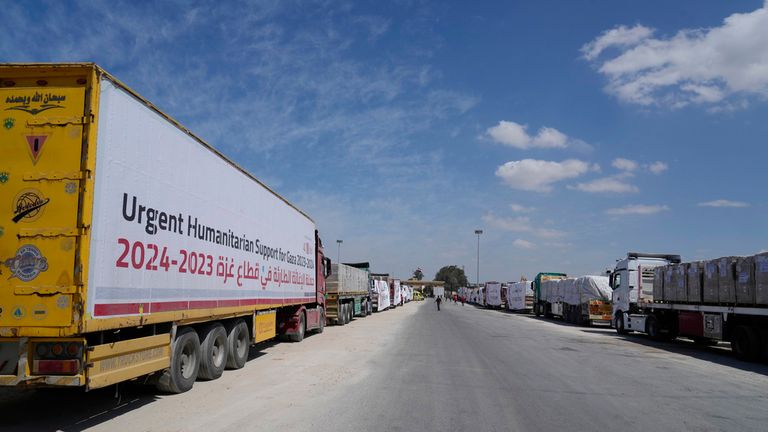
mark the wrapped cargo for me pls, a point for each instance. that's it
(695, 275)
(681, 287)
(761, 279)
(745, 281)
(670, 283)
(517, 293)
(726, 280)
(570, 292)
(710, 282)
(658, 283)
(593, 288)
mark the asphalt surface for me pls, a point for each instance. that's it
(414, 368)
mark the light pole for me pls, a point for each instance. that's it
(338, 254)
(478, 232)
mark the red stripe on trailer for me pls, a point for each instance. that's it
(118, 309)
(113, 309)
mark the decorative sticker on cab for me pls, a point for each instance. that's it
(29, 205)
(8, 123)
(35, 145)
(28, 263)
(35, 103)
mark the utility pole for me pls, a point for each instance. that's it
(478, 232)
(338, 254)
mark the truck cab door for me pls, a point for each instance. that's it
(620, 294)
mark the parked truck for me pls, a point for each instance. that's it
(371, 289)
(582, 300)
(492, 295)
(381, 299)
(347, 294)
(540, 304)
(519, 296)
(724, 299)
(395, 293)
(438, 291)
(131, 247)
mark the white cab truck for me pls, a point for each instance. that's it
(439, 291)
(724, 299)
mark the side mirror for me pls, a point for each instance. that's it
(327, 267)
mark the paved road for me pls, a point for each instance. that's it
(415, 368)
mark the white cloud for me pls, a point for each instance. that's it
(521, 224)
(723, 203)
(618, 37)
(637, 209)
(538, 175)
(515, 135)
(517, 208)
(658, 167)
(705, 66)
(606, 184)
(624, 164)
(523, 244)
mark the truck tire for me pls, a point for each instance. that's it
(238, 345)
(299, 335)
(321, 324)
(652, 328)
(185, 362)
(618, 323)
(745, 343)
(537, 309)
(341, 314)
(350, 312)
(213, 349)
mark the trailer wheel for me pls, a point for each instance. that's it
(350, 311)
(745, 343)
(536, 309)
(214, 352)
(185, 362)
(299, 336)
(238, 345)
(618, 323)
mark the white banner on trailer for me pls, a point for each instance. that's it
(177, 227)
(493, 294)
(384, 299)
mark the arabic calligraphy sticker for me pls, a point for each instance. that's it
(28, 206)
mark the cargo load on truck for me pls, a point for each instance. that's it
(347, 294)
(580, 300)
(136, 247)
(722, 299)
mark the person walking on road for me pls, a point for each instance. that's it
(437, 300)
(462, 300)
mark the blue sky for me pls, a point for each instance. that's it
(570, 131)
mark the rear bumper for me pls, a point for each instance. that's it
(15, 368)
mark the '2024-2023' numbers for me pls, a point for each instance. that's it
(149, 256)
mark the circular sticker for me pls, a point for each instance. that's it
(28, 205)
(27, 264)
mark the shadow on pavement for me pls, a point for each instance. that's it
(68, 409)
(720, 354)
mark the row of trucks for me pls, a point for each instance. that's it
(722, 299)
(129, 247)
(512, 296)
